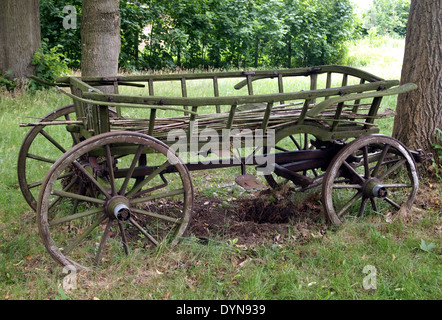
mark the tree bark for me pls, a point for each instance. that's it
(19, 36)
(100, 38)
(419, 112)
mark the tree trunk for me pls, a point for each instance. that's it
(100, 38)
(419, 112)
(19, 36)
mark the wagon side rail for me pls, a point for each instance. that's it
(333, 111)
(266, 110)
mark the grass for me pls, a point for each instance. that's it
(324, 266)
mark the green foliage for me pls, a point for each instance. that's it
(158, 34)
(67, 40)
(6, 82)
(427, 247)
(49, 64)
(134, 17)
(388, 17)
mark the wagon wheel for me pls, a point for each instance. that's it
(118, 212)
(42, 146)
(373, 171)
(292, 142)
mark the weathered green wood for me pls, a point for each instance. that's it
(231, 116)
(265, 120)
(249, 85)
(158, 105)
(234, 74)
(313, 84)
(153, 114)
(246, 111)
(328, 83)
(373, 110)
(151, 89)
(116, 91)
(337, 116)
(238, 100)
(304, 111)
(184, 90)
(348, 97)
(307, 71)
(280, 85)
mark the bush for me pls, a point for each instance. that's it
(49, 64)
(6, 83)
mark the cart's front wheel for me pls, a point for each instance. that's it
(116, 210)
(374, 172)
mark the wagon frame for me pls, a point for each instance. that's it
(115, 172)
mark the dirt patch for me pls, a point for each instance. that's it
(261, 217)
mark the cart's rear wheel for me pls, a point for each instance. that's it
(42, 146)
(374, 172)
(116, 212)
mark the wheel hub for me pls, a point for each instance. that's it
(118, 208)
(373, 188)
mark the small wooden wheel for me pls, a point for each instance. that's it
(115, 210)
(372, 171)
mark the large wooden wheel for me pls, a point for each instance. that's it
(115, 210)
(374, 172)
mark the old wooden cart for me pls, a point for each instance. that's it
(121, 179)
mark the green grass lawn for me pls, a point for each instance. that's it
(378, 257)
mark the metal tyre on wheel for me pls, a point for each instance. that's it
(373, 172)
(116, 210)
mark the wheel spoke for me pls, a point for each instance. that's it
(281, 149)
(131, 170)
(77, 196)
(111, 170)
(92, 179)
(123, 236)
(347, 186)
(54, 202)
(103, 241)
(52, 140)
(374, 205)
(85, 234)
(38, 183)
(380, 161)
(356, 197)
(353, 172)
(363, 206)
(398, 185)
(366, 162)
(156, 215)
(158, 196)
(394, 204)
(39, 158)
(144, 232)
(392, 169)
(76, 216)
(295, 142)
(142, 183)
